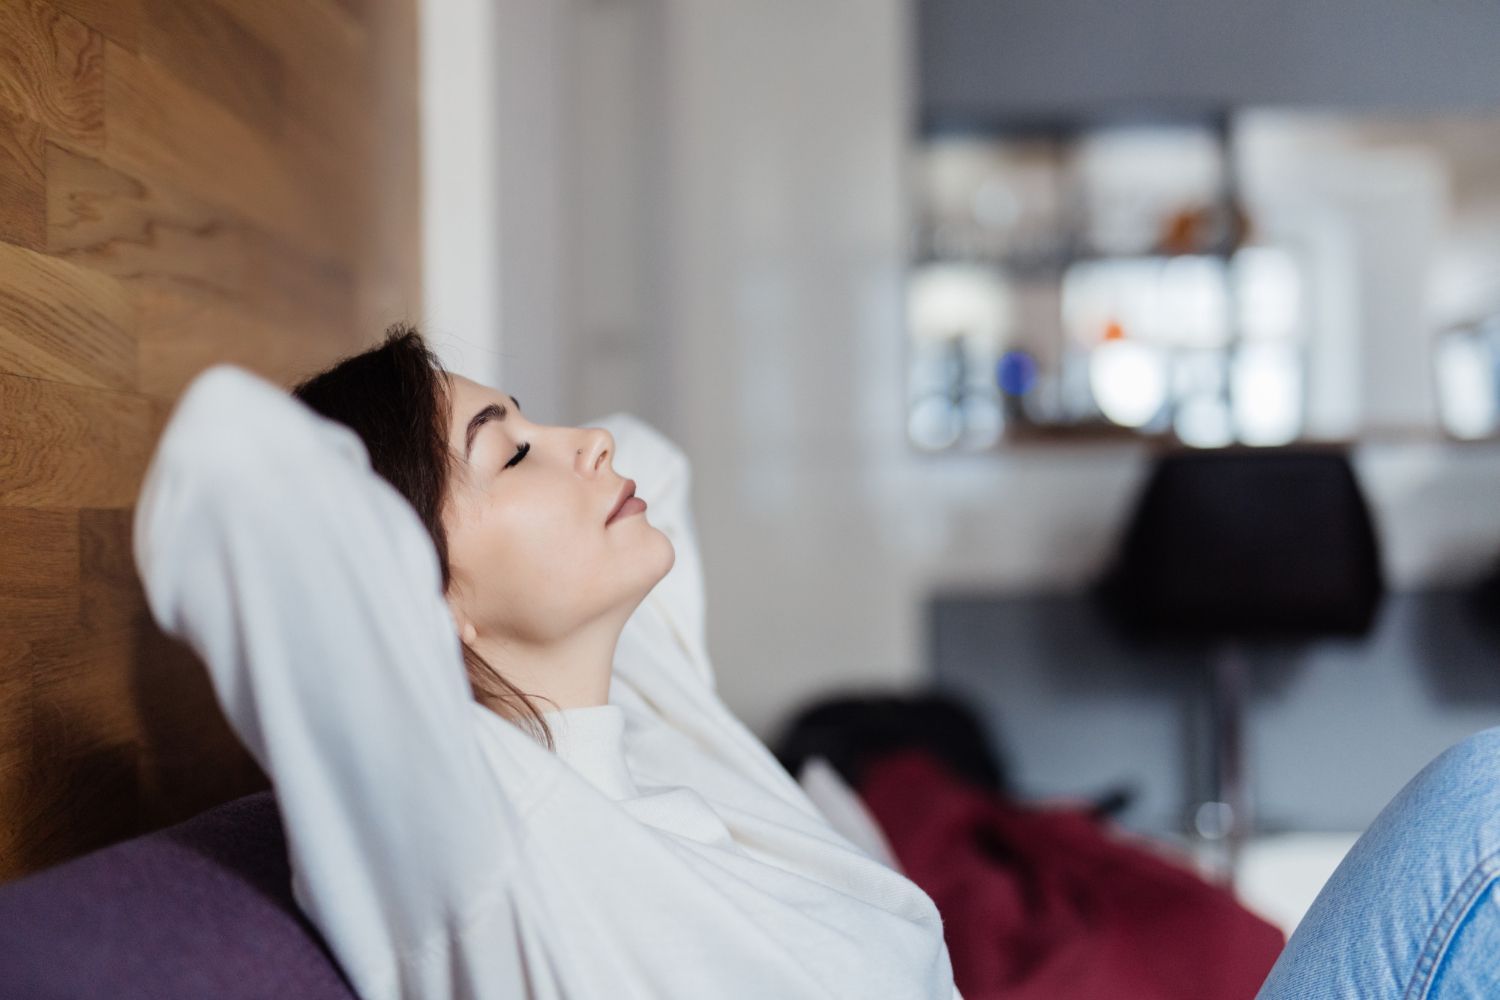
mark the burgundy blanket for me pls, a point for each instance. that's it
(1049, 903)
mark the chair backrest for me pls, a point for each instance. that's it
(853, 730)
(200, 909)
(1249, 542)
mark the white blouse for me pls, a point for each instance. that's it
(443, 852)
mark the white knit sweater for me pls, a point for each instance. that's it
(662, 852)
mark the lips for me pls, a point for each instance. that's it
(627, 490)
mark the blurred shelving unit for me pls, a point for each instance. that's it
(1098, 280)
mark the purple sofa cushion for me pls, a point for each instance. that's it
(200, 909)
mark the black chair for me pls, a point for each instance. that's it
(852, 730)
(1230, 547)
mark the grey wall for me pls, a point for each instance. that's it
(1335, 728)
(1025, 58)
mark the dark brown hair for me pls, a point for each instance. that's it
(395, 397)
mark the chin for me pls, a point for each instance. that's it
(648, 561)
(668, 557)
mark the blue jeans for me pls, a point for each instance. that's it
(1413, 912)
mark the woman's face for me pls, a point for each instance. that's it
(528, 548)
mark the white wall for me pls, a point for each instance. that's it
(495, 169)
(616, 220)
(741, 217)
(460, 201)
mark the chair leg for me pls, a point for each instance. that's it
(1222, 820)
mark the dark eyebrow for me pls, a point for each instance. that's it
(492, 412)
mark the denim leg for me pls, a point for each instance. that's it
(1413, 912)
(1471, 967)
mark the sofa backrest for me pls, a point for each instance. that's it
(200, 909)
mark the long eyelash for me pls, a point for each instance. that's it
(520, 454)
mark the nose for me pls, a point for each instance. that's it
(595, 450)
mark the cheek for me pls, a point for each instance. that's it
(532, 562)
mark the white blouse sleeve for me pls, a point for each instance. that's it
(311, 590)
(663, 478)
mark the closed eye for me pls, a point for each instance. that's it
(520, 454)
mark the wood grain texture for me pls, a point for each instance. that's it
(82, 713)
(150, 233)
(51, 70)
(160, 127)
(41, 589)
(15, 745)
(64, 323)
(326, 63)
(64, 444)
(154, 237)
(119, 20)
(110, 595)
(81, 686)
(182, 182)
(226, 63)
(23, 182)
(181, 335)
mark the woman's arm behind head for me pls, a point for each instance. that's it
(311, 591)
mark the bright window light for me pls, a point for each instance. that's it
(1129, 382)
(1202, 421)
(1194, 300)
(1270, 293)
(945, 300)
(1466, 386)
(1266, 387)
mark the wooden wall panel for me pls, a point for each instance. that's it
(182, 182)
(226, 62)
(161, 127)
(64, 323)
(116, 19)
(64, 444)
(39, 547)
(106, 220)
(182, 334)
(23, 190)
(52, 70)
(15, 746)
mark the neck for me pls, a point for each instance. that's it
(569, 672)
